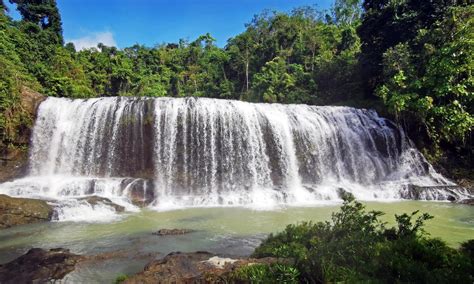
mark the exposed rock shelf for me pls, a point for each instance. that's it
(196, 267)
(20, 211)
(39, 266)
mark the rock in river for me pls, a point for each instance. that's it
(95, 200)
(20, 211)
(172, 232)
(195, 267)
(39, 266)
(468, 201)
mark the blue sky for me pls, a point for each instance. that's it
(125, 22)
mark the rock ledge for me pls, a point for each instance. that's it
(20, 211)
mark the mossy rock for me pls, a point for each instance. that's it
(20, 211)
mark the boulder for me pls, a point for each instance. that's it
(30, 100)
(96, 200)
(195, 267)
(20, 211)
(172, 232)
(39, 266)
(140, 192)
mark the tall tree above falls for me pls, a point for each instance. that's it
(44, 13)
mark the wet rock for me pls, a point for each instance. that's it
(173, 268)
(467, 183)
(20, 211)
(172, 232)
(141, 193)
(469, 201)
(196, 267)
(96, 200)
(342, 193)
(451, 198)
(39, 266)
(442, 192)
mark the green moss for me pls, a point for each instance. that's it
(121, 278)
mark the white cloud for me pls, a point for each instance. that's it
(91, 40)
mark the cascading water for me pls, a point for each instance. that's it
(208, 152)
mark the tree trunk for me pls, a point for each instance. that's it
(247, 70)
(247, 75)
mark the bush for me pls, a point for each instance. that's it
(121, 278)
(356, 246)
(265, 273)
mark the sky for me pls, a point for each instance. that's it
(123, 23)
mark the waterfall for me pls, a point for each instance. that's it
(175, 152)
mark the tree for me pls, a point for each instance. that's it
(432, 77)
(282, 83)
(347, 12)
(44, 13)
(3, 7)
(387, 23)
(241, 49)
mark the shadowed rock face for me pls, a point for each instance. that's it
(39, 266)
(196, 267)
(20, 211)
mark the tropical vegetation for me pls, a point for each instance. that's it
(357, 247)
(411, 60)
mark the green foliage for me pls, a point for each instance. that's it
(386, 23)
(265, 273)
(121, 278)
(414, 55)
(297, 57)
(283, 83)
(431, 76)
(12, 78)
(356, 247)
(43, 13)
(468, 249)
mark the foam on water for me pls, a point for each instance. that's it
(186, 152)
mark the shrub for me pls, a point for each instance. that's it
(265, 273)
(357, 247)
(121, 278)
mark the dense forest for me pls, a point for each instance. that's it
(411, 60)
